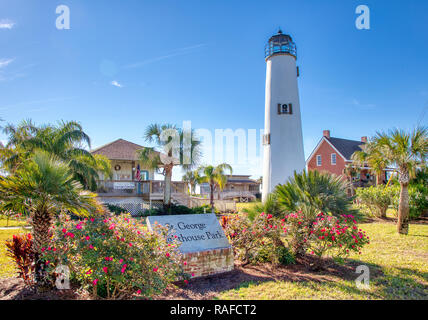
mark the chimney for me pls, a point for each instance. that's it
(326, 133)
(364, 139)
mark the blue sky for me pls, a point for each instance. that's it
(126, 64)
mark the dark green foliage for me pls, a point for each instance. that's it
(177, 210)
(270, 206)
(273, 254)
(115, 209)
(314, 192)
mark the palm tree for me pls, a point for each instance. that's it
(349, 171)
(67, 141)
(173, 147)
(313, 192)
(371, 156)
(215, 177)
(192, 178)
(44, 186)
(406, 152)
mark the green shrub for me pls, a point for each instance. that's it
(313, 192)
(273, 254)
(178, 210)
(114, 257)
(115, 209)
(418, 200)
(248, 237)
(376, 199)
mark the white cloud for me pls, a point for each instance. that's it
(6, 24)
(116, 84)
(5, 62)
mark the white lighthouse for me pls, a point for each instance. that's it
(283, 139)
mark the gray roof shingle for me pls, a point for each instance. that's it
(346, 147)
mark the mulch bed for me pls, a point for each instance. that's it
(202, 288)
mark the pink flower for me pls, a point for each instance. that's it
(167, 254)
(91, 246)
(185, 263)
(186, 282)
(78, 226)
(95, 282)
(155, 269)
(112, 226)
(88, 237)
(89, 271)
(64, 230)
(121, 260)
(105, 269)
(130, 244)
(138, 291)
(92, 219)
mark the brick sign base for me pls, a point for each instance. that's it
(209, 262)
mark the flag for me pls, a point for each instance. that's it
(138, 174)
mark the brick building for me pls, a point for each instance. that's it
(333, 154)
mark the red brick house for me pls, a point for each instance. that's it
(332, 154)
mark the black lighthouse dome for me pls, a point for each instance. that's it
(280, 43)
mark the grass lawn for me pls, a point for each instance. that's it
(398, 270)
(12, 223)
(244, 205)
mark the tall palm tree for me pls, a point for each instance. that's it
(406, 152)
(215, 177)
(192, 178)
(173, 147)
(67, 141)
(44, 186)
(370, 155)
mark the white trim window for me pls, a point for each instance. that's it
(333, 159)
(319, 160)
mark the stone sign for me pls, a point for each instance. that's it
(196, 232)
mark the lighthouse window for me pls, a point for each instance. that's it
(285, 108)
(319, 160)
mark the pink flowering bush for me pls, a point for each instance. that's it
(325, 235)
(322, 236)
(247, 237)
(336, 237)
(114, 257)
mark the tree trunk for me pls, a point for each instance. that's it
(212, 198)
(403, 209)
(167, 187)
(41, 222)
(377, 179)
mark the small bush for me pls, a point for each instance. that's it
(273, 254)
(115, 257)
(418, 200)
(247, 237)
(20, 250)
(115, 209)
(376, 199)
